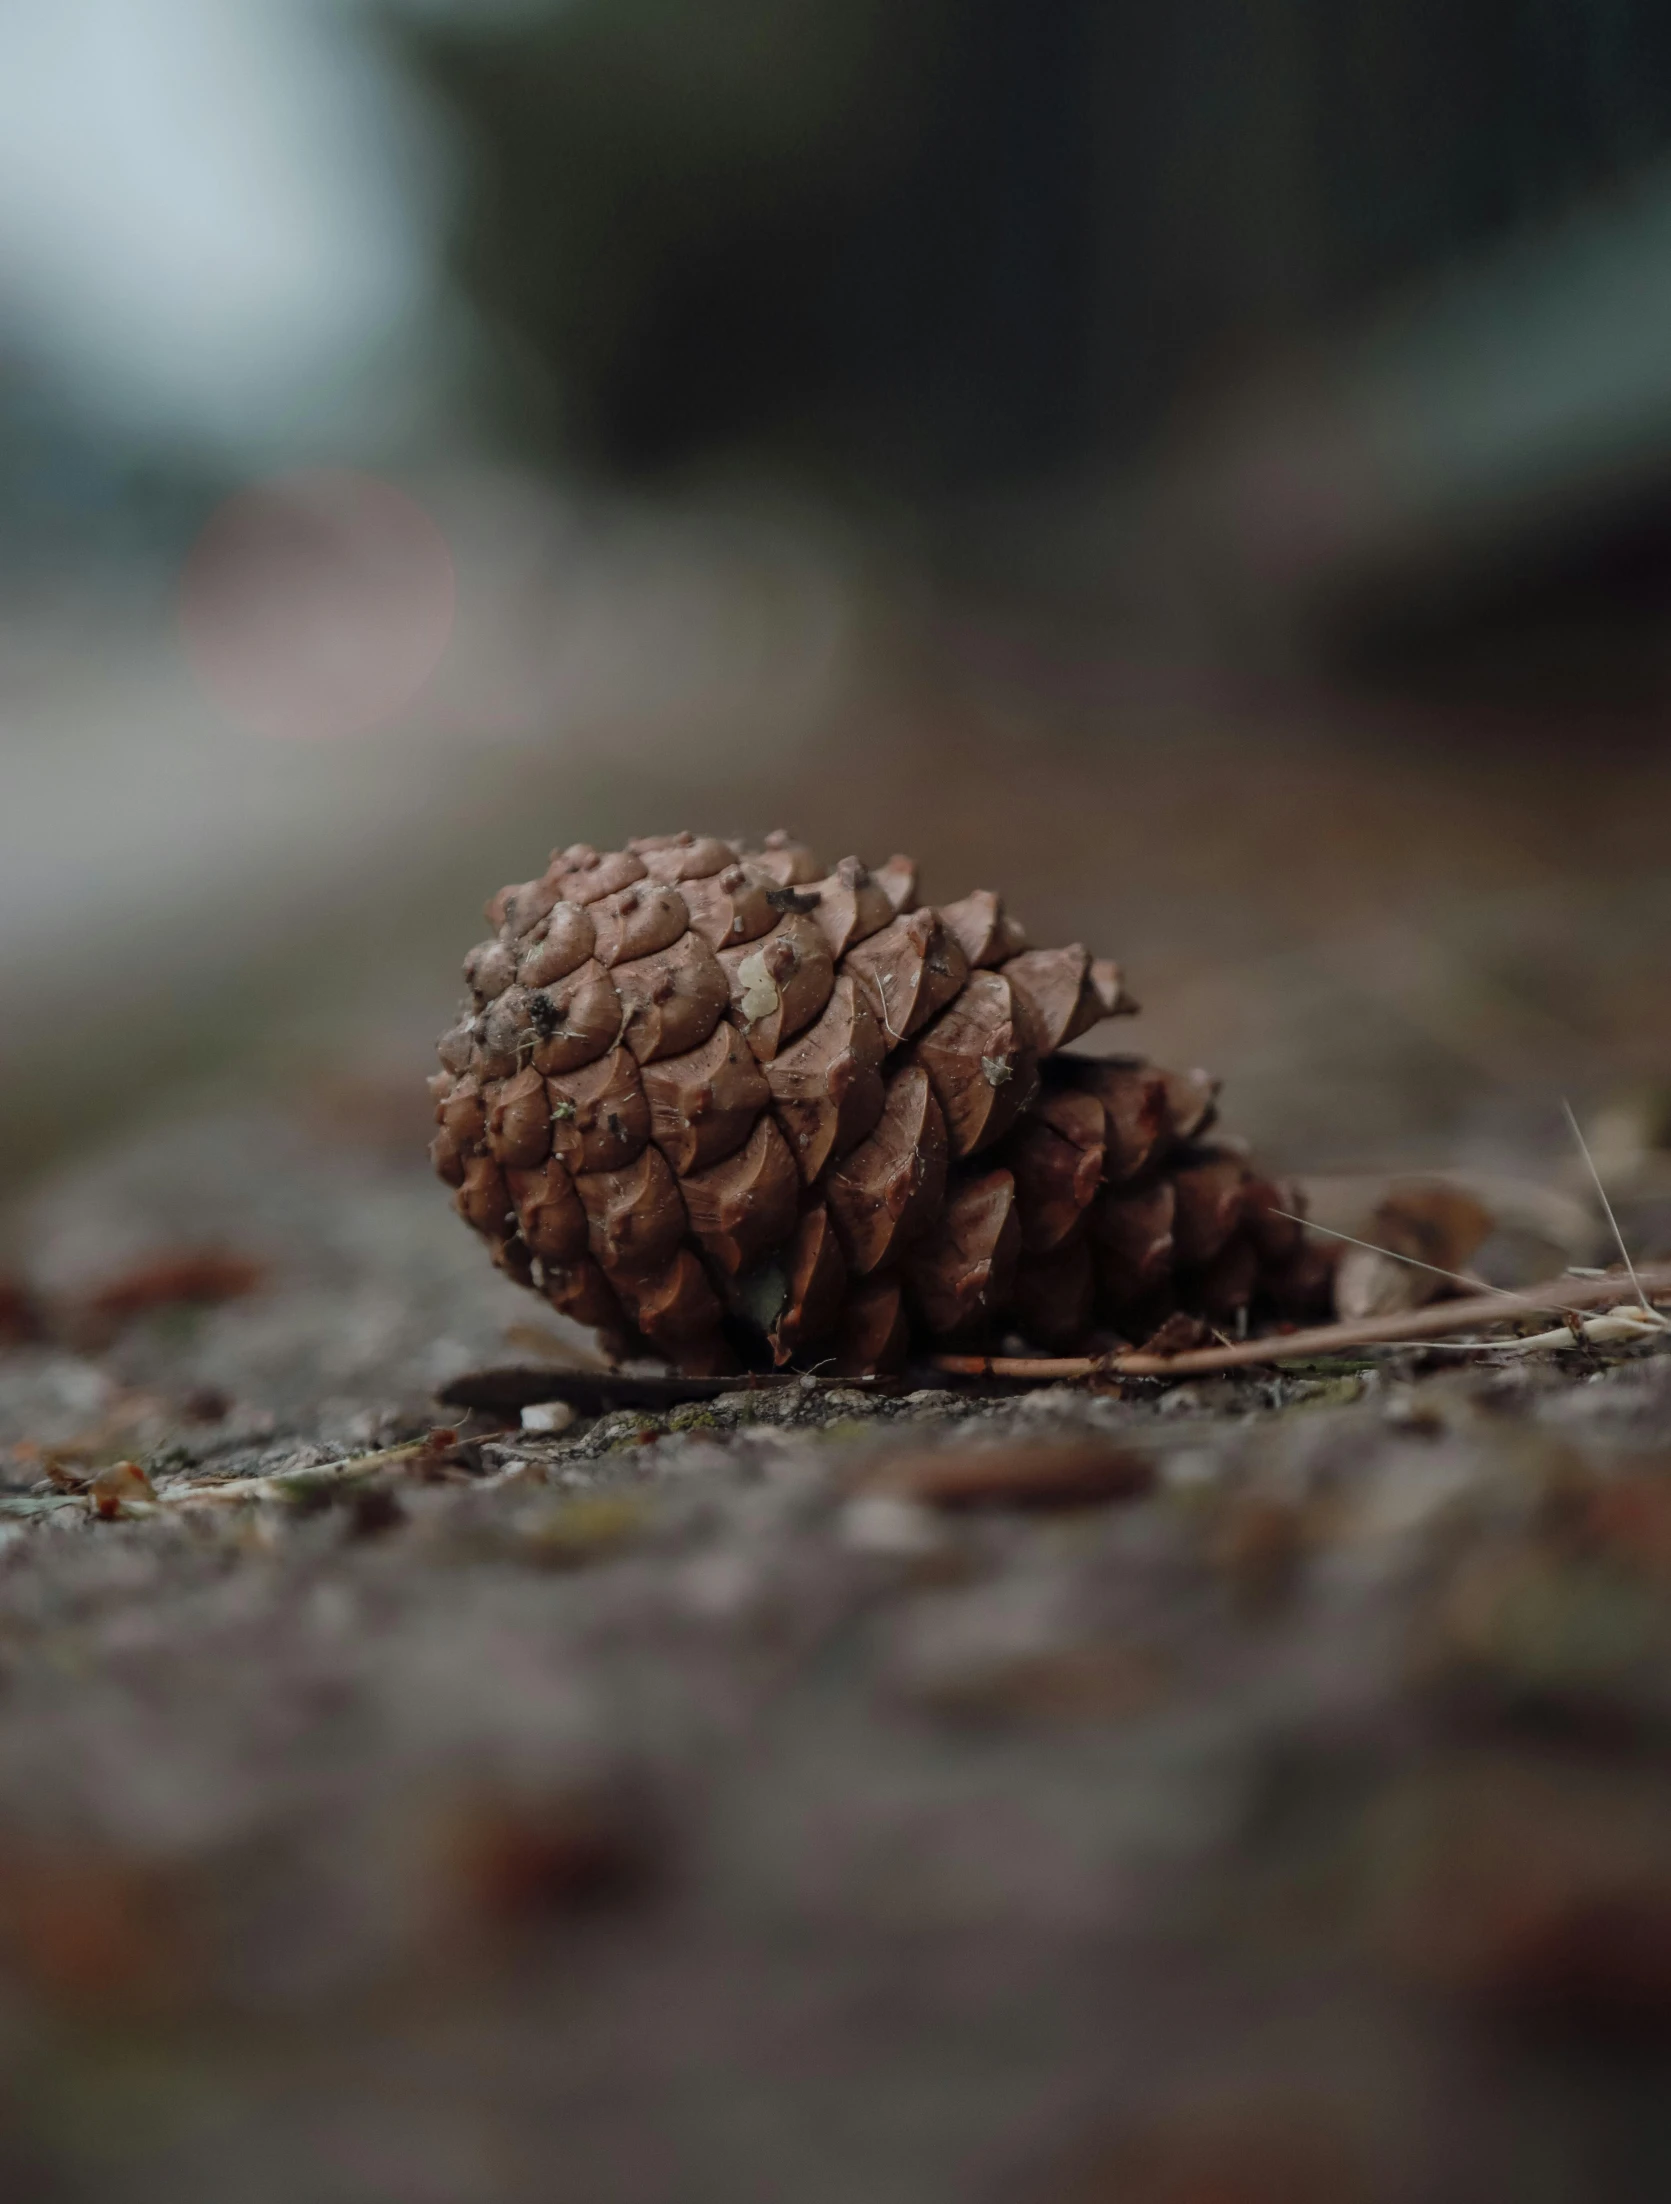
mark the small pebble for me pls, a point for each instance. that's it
(879, 1523)
(547, 1417)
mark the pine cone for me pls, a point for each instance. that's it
(740, 1112)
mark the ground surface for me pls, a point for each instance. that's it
(708, 1806)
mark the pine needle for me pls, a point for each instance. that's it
(1457, 1277)
(1613, 1222)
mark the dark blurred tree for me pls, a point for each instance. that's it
(946, 241)
(847, 227)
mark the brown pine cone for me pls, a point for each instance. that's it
(739, 1111)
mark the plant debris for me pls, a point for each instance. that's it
(200, 1277)
(1420, 1327)
(514, 1386)
(22, 1319)
(1423, 1231)
(1028, 1474)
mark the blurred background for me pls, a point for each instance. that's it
(1204, 470)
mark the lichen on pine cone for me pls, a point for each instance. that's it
(735, 1110)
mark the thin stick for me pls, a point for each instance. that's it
(1402, 1327)
(282, 1483)
(1456, 1277)
(1590, 1161)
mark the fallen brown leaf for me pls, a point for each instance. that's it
(1076, 1683)
(1259, 1546)
(21, 1318)
(1043, 1473)
(92, 1932)
(511, 1861)
(113, 1488)
(1260, 2155)
(1539, 1889)
(202, 1276)
(1426, 1221)
(1626, 1517)
(1177, 1335)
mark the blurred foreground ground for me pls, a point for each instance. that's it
(654, 1811)
(669, 1809)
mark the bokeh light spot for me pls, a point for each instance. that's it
(317, 604)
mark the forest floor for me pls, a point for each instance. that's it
(767, 1799)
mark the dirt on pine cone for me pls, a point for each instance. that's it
(741, 1111)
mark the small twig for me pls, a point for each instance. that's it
(283, 1484)
(1403, 1327)
(513, 1386)
(1608, 1329)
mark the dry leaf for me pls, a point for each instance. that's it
(1428, 1221)
(112, 1489)
(200, 1275)
(1062, 1473)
